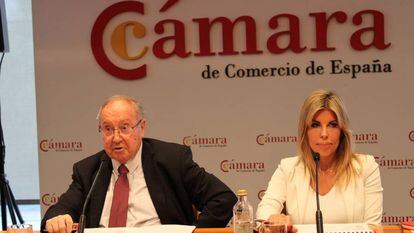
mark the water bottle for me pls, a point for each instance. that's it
(242, 214)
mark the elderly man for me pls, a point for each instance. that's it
(142, 182)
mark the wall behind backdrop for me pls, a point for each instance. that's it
(18, 104)
(228, 79)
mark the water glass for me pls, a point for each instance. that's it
(273, 227)
(20, 228)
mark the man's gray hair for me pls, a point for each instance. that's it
(137, 105)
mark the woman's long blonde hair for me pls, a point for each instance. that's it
(316, 101)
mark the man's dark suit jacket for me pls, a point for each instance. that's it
(175, 183)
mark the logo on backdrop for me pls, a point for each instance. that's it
(411, 136)
(365, 138)
(241, 166)
(266, 138)
(47, 145)
(396, 219)
(412, 193)
(196, 140)
(261, 193)
(394, 163)
(174, 44)
(49, 199)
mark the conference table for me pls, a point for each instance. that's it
(385, 229)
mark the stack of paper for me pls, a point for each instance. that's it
(145, 229)
(335, 228)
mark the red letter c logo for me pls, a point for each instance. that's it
(97, 40)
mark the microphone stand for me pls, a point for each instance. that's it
(319, 219)
(82, 219)
(6, 195)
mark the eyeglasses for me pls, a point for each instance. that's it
(125, 129)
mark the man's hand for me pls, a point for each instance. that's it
(60, 224)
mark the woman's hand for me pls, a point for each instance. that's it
(281, 219)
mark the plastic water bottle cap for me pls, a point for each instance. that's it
(242, 192)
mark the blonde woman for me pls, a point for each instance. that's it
(349, 183)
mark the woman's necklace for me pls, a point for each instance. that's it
(329, 171)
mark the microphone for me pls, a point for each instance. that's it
(319, 219)
(82, 219)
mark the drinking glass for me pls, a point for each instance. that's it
(274, 227)
(20, 228)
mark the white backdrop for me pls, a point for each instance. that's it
(238, 128)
